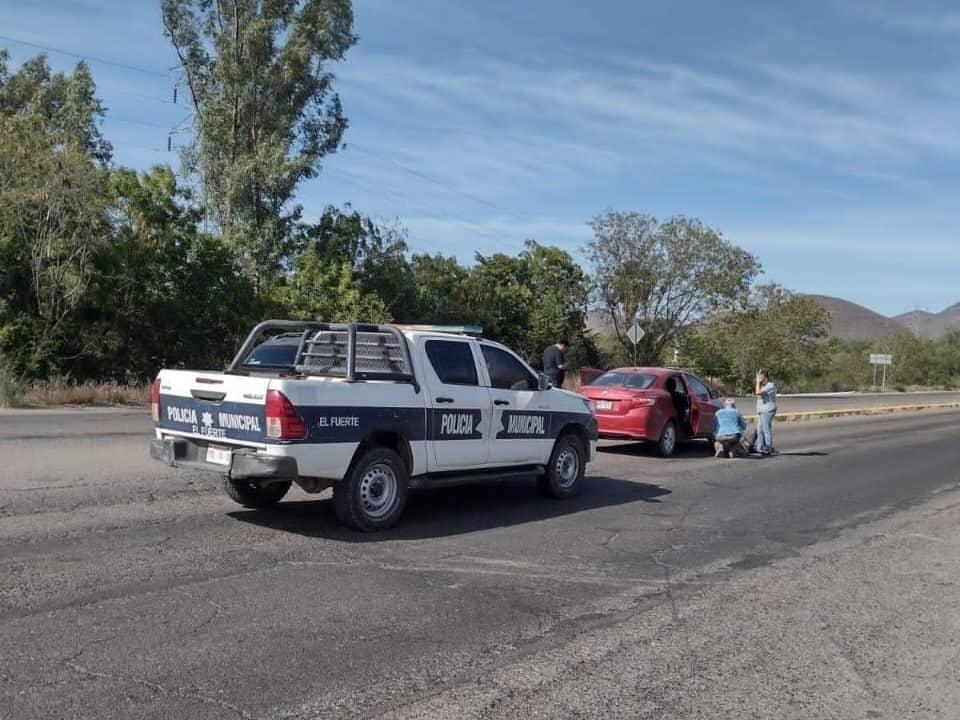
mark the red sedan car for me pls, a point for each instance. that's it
(660, 405)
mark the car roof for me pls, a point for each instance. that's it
(658, 371)
(436, 335)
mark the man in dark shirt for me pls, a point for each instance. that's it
(555, 362)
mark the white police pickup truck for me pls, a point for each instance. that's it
(372, 411)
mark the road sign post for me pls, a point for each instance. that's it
(635, 333)
(883, 360)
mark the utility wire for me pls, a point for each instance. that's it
(100, 83)
(467, 226)
(440, 183)
(130, 121)
(90, 58)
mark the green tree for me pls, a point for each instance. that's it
(499, 294)
(377, 254)
(847, 367)
(53, 210)
(914, 359)
(266, 112)
(668, 276)
(439, 284)
(52, 223)
(778, 331)
(947, 353)
(164, 294)
(320, 289)
(560, 294)
(67, 103)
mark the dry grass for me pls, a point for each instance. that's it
(60, 392)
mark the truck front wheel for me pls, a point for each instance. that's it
(374, 493)
(251, 495)
(565, 470)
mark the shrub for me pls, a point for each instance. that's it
(9, 384)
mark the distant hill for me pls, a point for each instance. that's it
(947, 320)
(848, 320)
(599, 322)
(855, 322)
(930, 324)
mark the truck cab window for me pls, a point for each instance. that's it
(276, 353)
(506, 372)
(452, 361)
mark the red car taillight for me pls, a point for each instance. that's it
(642, 402)
(283, 420)
(155, 400)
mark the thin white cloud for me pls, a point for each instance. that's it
(912, 20)
(506, 138)
(653, 111)
(498, 234)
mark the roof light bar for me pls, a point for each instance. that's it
(453, 329)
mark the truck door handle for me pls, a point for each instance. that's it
(501, 402)
(444, 400)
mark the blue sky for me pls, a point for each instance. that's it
(823, 136)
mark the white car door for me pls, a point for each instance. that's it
(458, 422)
(521, 418)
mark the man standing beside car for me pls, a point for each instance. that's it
(766, 412)
(555, 361)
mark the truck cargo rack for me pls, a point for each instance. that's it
(353, 351)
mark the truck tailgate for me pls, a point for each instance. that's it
(213, 406)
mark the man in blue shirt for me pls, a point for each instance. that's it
(728, 426)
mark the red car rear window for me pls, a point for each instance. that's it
(640, 381)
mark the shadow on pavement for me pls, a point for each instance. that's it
(688, 449)
(805, 453)
(454, 511)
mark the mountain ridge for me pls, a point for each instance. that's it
(851, 321)
(848, 320)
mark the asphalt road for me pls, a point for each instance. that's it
(131, 590)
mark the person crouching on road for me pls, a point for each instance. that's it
(766, 412)
(555, 362)
(728, 427)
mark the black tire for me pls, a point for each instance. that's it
(251, 495)
(565, 471)
(667, 444)
(374, 493)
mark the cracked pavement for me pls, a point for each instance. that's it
(821, 583)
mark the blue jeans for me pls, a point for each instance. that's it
(765, 431)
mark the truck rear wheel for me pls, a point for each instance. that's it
(374, 493)
(565, 471)
(251, 495)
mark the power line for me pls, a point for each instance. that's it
(466, 226)
(100, 83)
(113, 89)
(439, 183)
(130, 121)
(139, 147)
(90, 58)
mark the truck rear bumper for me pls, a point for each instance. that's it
(244, 464)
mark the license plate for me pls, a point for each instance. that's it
(604, 405)
(219, 455)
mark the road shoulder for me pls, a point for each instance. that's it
(864, 625)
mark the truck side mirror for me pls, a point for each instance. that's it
(544, 382)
